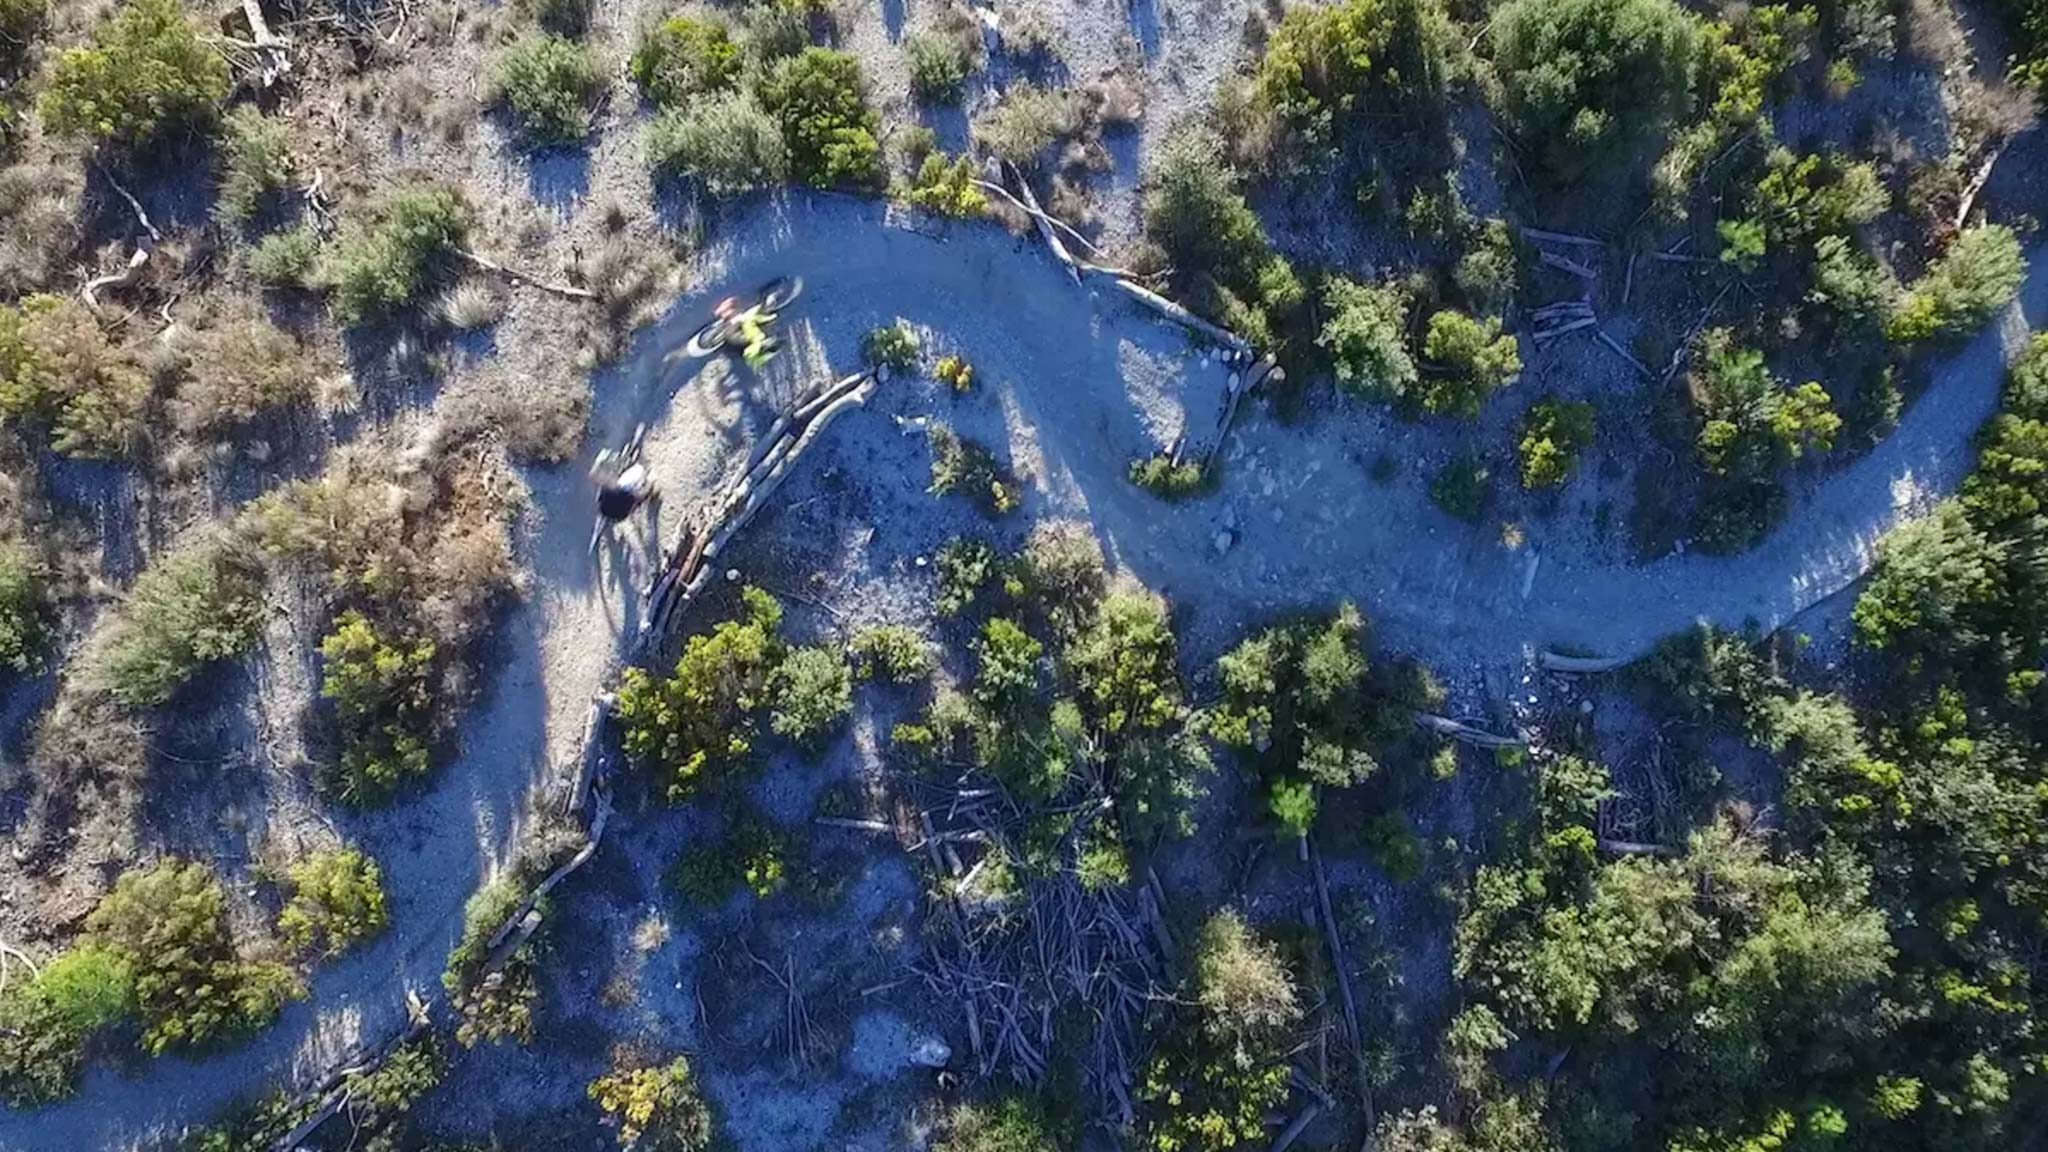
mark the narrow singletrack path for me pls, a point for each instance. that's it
(1077, 382)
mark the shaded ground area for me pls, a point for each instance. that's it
(1074, 386)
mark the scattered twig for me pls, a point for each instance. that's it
(1458, 730)
(1625, 354)
(1563, 238)
(1578, 665)
(530, 281)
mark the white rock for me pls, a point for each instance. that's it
(1225, 538)
(931, 1052)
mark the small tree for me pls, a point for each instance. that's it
(948, 188)
(1978, 275)
(892, 652)
(683, 59)
(1749, 421)
(337, 900)
(1007, 678)
(1934, 577)
(701, 719)
(656, 1108)
(198, 605)
(1554, 432)
(381, 682)
(821, 99)
(1475, 360)
(255, 163)
(549, 84)
(1365, 335)
(60, 375)
(812, 691)
(1213, 1083)
(1583, 79)
(143, 73)
(397, 254)
(940, 63)
(24, 608)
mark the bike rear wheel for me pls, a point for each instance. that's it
(710, 339)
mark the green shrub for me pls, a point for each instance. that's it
(381, 682)
(1554, 432)
(46, 1021)
(1979, 274)
(1159, 475)
(1392, 845)
(1584, 79)
(1028, 121)
(1742, 243)
(751, 853)
(1474, 361)
(705, 875)
(192, 988)
(700, 721)
(396, 256)
(501, 1008)
(948, 188)
(1749, 421)
(1013, 1124)
(59, 373)
(238, 369)
(1934, 578)
(1007, 676)
(821, 99)
(940, 64)
(956, 372)
(21, 21)
(962, 465)
(24, 608)
(964, 567)
(725, 142)
(255, 162)
(892, 652)
(1849, 286)
(683, 59)
(1326, 65)
(657, 1109)
(1213, 1082)
(199, 604)
(1462, 488)
(287, 259)
(144, 73)
(892, 346)
(337, 900)
(1366, 337)
(812, 693)
(550, 85)
(1487, 270)
(1126, 672)
(1064, 571)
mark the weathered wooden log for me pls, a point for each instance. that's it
(1297, 1126)
(1335, 940)
(1625, 354)
(1477, 737)
(1635, 848)
(1563, 238)
(1045, 230)
(1180, 315)
(489, 265)
(1553, 260)
(1579, 665)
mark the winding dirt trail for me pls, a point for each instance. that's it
(1079, 383)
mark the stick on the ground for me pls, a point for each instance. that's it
(489, 265)
(1578, 665)
(141, 216)
(1335, 939)
(1477, 737)
(1625, 354)
(1563, 238)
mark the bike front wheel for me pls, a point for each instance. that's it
(780, 293)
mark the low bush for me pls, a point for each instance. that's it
(892, 652)
(562, 17)
(1849, 287)
(25, 610)
(955, 372)
(21, 21)
(1366, 337)
(1469, 359)
(397, 253)
(1013, 1124)
(821, 99)
(967, 467)
(381, 683)
(238, 369)
(1554, 432)
(1326, 66)
(1211, 1084)
(656, 1108)
(948, 188)
(701, 721)
(727, 143)
(1028, 122)
(941, 62)
(1750, 422)
(337, 901)
(60, 375)
(192, 987)
(1583, 80)
(965, 567)
(1159, 475)
(200, 604)
(47, 1020)
(894, 346)
(500, 1009)
(41, 209)
(1979, 274)
(684, 59)
(751, 854)
(811, 694)
(1462, 488)
(254, 164)
(1064, 571)
(1125, 668)
(1006, 677)
(287, 259)
(550, 85)
(144, 73)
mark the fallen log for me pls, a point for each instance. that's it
(1579, 665)
(1297, 1126)
(1181, 315)
(1334, 939)
(1045, 230)
(1553, 260)
(1625, 354)
(1635, 848)
(1456, 730)
(531, 281)
(1563, 238)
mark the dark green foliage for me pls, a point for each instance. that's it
(1159, 475)
(1196, 211)
(1463, 488)
(1365, 334)
(192, 988)
(965, 466)
(62, 378)
(940, 63)
(821, 100)
(810, 693)
(549, 84)
(1849, 286)
(1223, 1067)
(1585, 79)
(196, 606)
(337, 901)
(1027, 122)
(255, 164)
(1750, 423)
(21, 21)
(751, 853)
(562, 17)
(492, 1010)
(1466, 362)
(1006, 680)
(47, 1020)
(684, 59)
(892, 652)
(1012, 1124)
(144, 74)
(396, 253)
(381, 682)
(1934, 577)
(1125, 668)
(1326, 66)
(25, 611)
(286, 259)
(701, 721)
(1977, 276)
(965, 567)
(1554, 432)
(891, 346)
